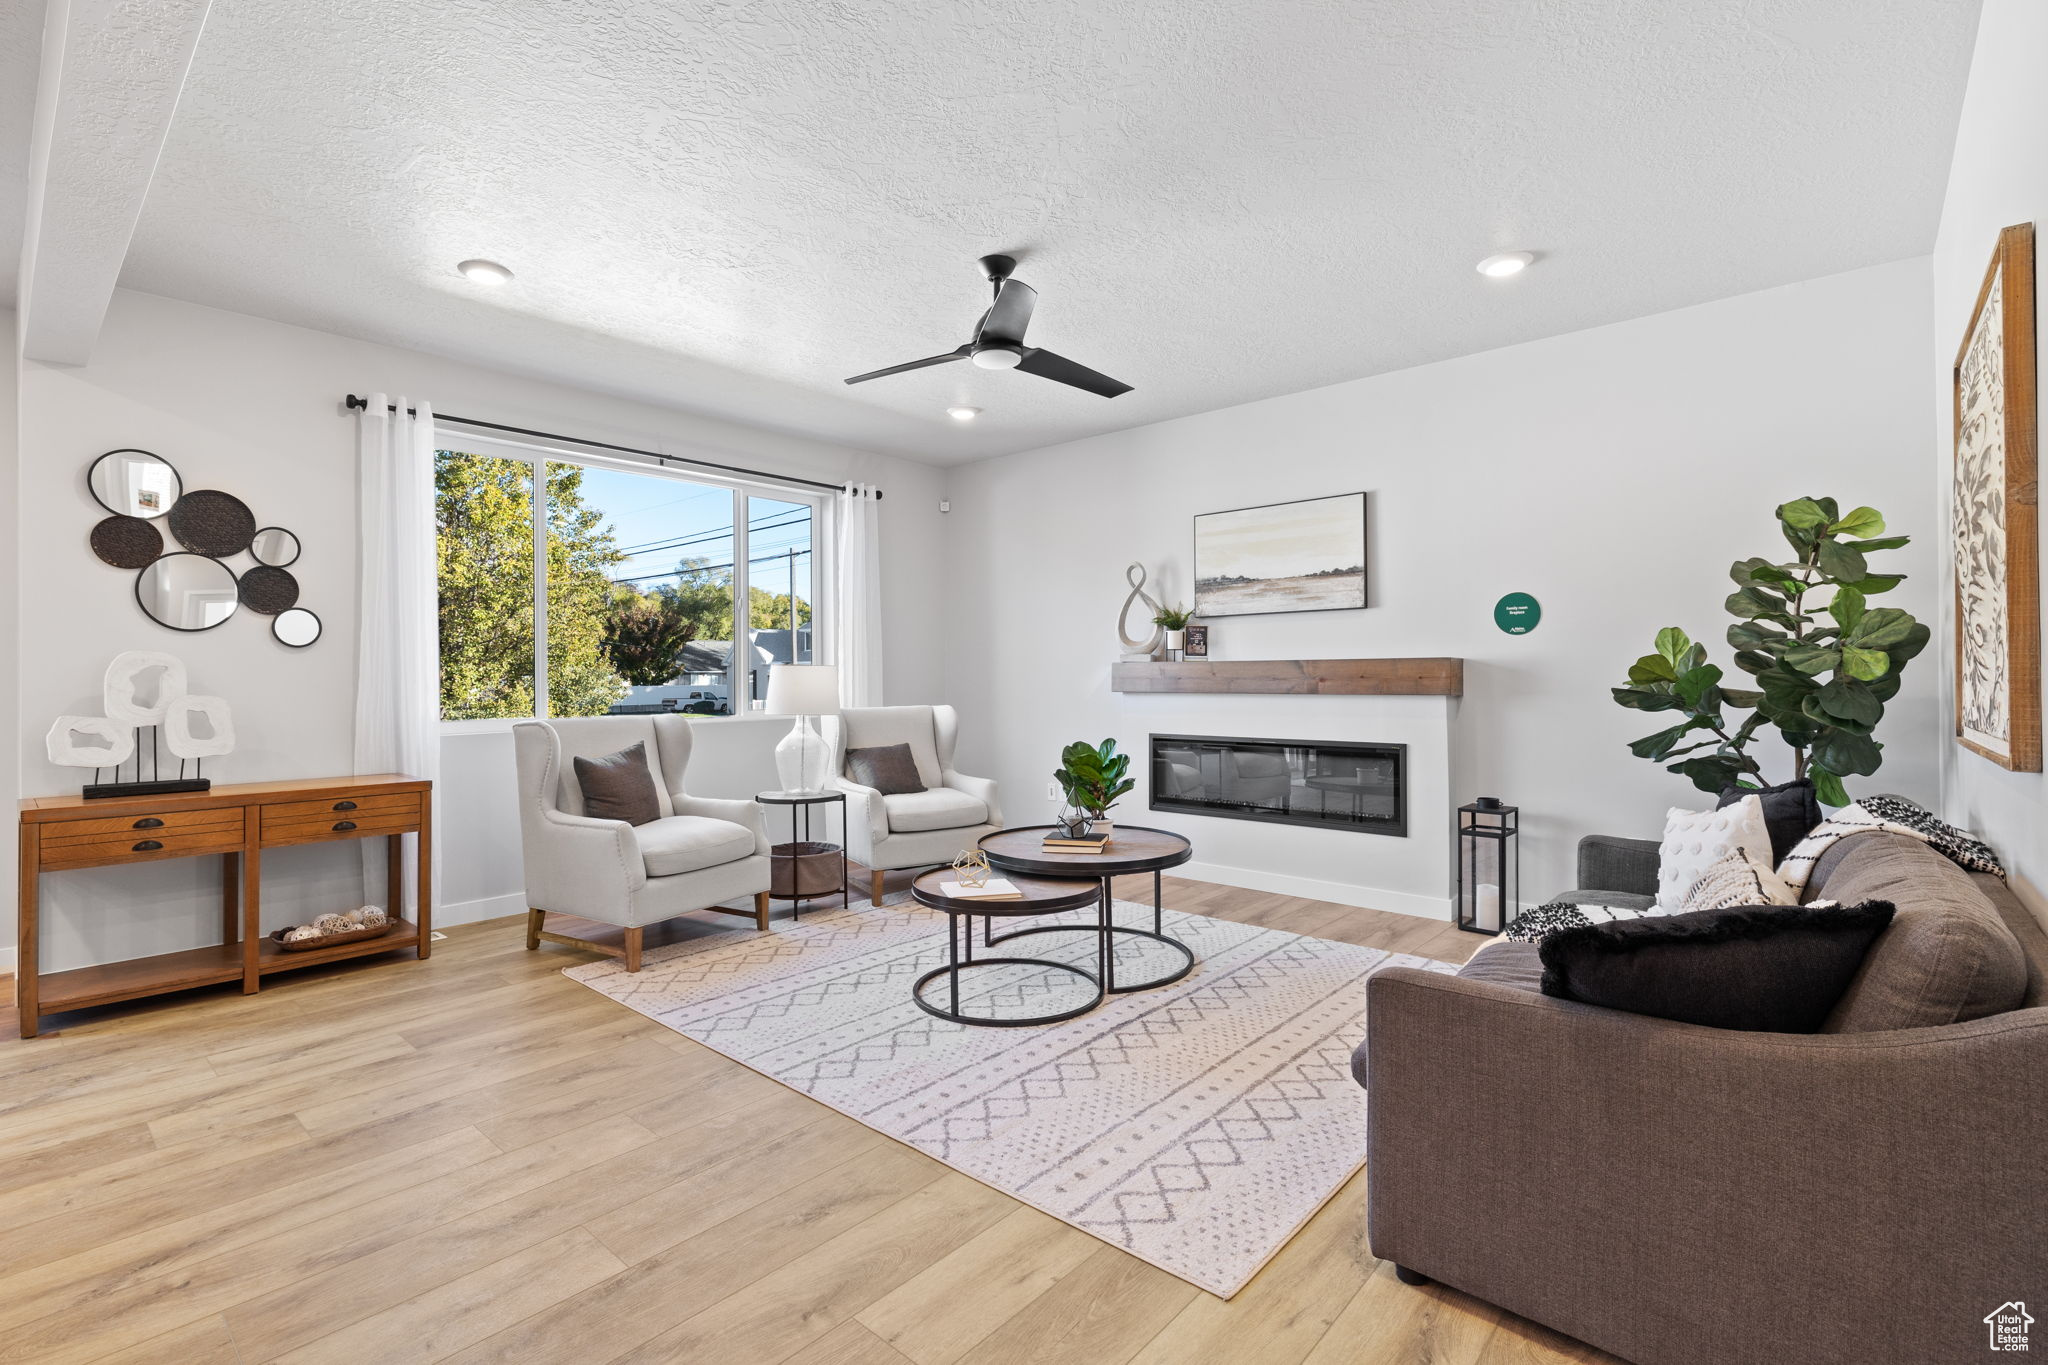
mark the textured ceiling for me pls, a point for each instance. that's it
(731, 206)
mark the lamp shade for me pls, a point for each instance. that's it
(802, 690)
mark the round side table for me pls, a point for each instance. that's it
(800, 870)
(1041, 896)
(1131, 848)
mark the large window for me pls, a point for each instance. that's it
(617, 592)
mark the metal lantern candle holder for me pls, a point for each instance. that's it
(1489, 865)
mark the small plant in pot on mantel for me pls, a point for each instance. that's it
(1174, 621)
(1825, 661)
(1092, 777)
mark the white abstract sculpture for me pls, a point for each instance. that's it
(126, 676)
(117, 742)
(215, 731)
(1143, 647)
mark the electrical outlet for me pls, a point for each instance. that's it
(945, 504)
(1052, 791)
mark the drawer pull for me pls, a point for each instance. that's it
(344, 824)
(148, 822)
(147, 846)
(344, 805)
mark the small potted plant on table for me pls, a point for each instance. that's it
(1093, 776)
(1175, 622)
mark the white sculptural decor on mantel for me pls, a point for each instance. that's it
(1140, 649)
(144, 690)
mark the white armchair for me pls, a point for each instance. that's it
(699, 853)
(914, 829)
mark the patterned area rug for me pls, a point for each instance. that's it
(1197, 1126)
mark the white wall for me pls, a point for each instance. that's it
(254, 407)
(10, 635)
(1999, 177)
(1614, 473)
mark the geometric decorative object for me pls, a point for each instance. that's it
(267, 589)
(127, 542)
(134, 483)
(89, 742)
(199, 727)
(275, 546)
(802, 762)
(1489, 865)
(1142, 646)
(296, 628)
(133, 698)
(188, 592)
(1250, 1057)
(1517, 613)
(971, 868)
(1993, 516)
(210, 522)
(1287, 556)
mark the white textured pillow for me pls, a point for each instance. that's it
(1738, 879)
(1694, 840)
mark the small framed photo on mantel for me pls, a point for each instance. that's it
(1197, 642)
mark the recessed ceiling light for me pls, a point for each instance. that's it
(963, 414)
(484, 272)
(1506, 263)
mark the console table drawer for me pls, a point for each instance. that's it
(139, 845)
(344, 824)
(279, 813)
(145, 825)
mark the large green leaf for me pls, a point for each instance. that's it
(1803, 514)
(1713, 773)
(1659, 746)
(1881, 628)
(1864, 521)
(1843, 752)
(1915, 641)
(1784, 689)
(1865, 663)
(1848, 699)
(1882, 543)
(1740, 699)
(1749, 602)
(1847, 608)
(1812, 659)
(1654, 698)
(1870, 585)
(1652, 668)
(1841, 563)
(1754, 635)
(1827, 786)
(1695, 685)
(1672, 643)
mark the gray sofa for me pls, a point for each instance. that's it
(1680, 1195)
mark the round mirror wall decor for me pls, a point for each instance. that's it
(275, 547)
(187, 592)
(134, 483)
(297, 627)
(209, 522)
(127, 542)
(268, 590)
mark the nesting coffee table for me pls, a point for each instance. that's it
(1040, 896)
(1131, 849)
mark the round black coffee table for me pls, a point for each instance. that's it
(1041, 896)
(1131, 848)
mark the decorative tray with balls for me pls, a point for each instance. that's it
(349, 926)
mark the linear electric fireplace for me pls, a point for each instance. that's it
(1329, 784)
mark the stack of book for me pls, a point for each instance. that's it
(1075, 843)
(994, 889)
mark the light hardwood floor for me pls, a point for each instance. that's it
(474, 1159)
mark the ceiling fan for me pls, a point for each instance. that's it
(999, 340)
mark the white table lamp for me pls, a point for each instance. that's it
(803, 691)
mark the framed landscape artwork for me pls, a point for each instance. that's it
(1997, 576)
(1287, 556)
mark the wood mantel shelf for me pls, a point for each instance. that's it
(1334, 677)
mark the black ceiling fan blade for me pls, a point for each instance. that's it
(1046, 365)
(960, 354)
(1010, 314)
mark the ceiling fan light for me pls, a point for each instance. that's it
(963, 414)
(1505, 263)
(998, 358)
(484, 272)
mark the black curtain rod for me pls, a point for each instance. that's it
(355, 402)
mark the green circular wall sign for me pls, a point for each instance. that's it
(1517, 613)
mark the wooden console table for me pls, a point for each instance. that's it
(237, 823)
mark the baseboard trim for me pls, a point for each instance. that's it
(471, 912)
(1340, 893)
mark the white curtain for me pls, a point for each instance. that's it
(856, 621)
(398, 659)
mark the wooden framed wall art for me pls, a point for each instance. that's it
(1993, 516)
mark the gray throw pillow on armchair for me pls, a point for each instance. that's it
(619, 786)
(889, 768)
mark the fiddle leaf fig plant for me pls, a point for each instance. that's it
(1093, 776)
(1824, 660)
